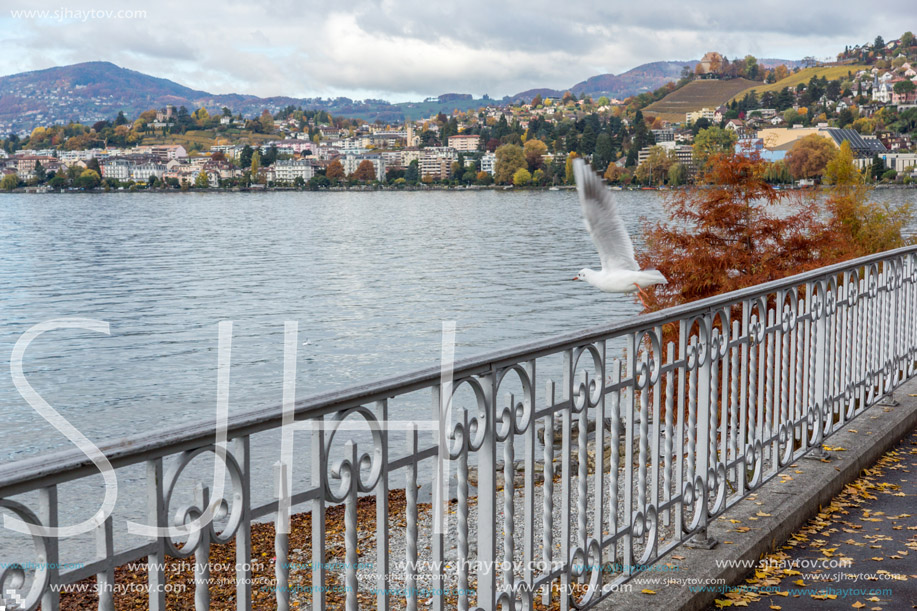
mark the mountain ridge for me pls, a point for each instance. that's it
(91, 91)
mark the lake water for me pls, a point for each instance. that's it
(369, 276)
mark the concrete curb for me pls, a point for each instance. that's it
(790, 505)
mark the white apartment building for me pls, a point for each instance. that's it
(352, 162)
(68, 158)
(391, 158)
(226, 149)
(288, 146)
(119, 169)
(900, 162)
(169, 151)
(408, 155)
(465, 143)
(488, 160)
(697, 115)
(436, 162)
(288, 170)
(141, 172)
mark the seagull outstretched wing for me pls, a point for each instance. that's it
(600, 213)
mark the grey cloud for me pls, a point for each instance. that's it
(404, 48)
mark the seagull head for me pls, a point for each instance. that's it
(582, 274)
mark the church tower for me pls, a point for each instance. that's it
(409, 133)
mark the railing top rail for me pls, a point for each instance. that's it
(36, 472)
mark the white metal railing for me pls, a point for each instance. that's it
(635, 454)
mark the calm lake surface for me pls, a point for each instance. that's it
(369, 276)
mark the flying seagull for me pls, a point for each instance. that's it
(620, 272)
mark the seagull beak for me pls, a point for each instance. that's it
(577, 278)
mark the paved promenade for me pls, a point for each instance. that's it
(815, 510)
(859, 552)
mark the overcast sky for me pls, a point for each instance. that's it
(410, 49)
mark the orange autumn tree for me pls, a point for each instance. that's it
(860, 227)
(335, 170)
(729, 234)
(365, 171)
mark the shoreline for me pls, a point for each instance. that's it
(41, 191)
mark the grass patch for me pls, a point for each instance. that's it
(832, 73)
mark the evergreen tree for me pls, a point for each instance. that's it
(587, 144)
(877, 168)
(642, 136)
(501, 128)
(245, 157)
(412, 175)
(270, 156)
(570, 142)
(604, 151)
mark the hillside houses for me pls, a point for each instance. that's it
(299, 147)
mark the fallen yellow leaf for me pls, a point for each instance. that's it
(647, 592)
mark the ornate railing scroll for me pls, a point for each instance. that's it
(558, 487)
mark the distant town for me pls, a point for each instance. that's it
(795, 119)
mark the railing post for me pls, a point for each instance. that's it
(244, 534)
(202, 554)
(439, 492)
(565, 481)
(105, 549)
(47, 503)
(282, 536)
(547, 509)
(821, 322)
(704, 413)
(410, 510)
(382, 525)
(487, 501)
(156, 575)
(528, 550)
(318, 516)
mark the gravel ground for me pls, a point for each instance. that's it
(398, 537)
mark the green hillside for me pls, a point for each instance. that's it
(831, 73)
(696, 95)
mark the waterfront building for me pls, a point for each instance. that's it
(465, 143)
(288, 170)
